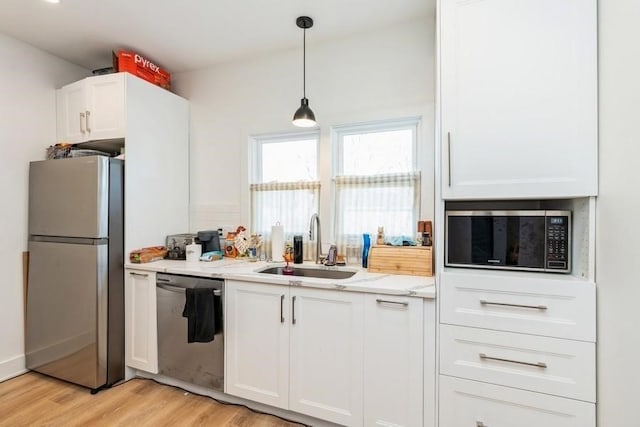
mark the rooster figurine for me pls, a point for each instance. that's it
(241, 242)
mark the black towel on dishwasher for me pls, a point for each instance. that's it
(200, 311)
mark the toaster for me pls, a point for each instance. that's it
(177, 244)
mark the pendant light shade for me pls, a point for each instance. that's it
(303, 116)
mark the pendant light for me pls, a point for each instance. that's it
(304, 117)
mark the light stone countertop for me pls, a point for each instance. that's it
(242, 269)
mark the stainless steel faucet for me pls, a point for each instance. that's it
(319, 255)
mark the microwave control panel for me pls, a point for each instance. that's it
(557, 242)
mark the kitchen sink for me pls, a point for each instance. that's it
(310, 272)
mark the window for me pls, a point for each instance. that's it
(284, 186)
(376, 180)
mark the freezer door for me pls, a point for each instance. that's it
(69, 197)
(66, 334)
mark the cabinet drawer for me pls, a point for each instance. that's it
(548, 365)
(560, 308)
(465, 403)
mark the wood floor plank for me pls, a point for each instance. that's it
(36, 400)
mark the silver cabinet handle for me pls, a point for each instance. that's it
(385, 301)
(282, 308)
(499, 359)
(533, 307)
(293, 310)
(449, 156)
(82, 123)
(138, 274)
(481, 424)
(87, 119)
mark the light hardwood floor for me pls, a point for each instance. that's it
(37, 400)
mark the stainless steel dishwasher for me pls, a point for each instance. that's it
(196, 363)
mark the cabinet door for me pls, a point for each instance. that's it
(326, 355)
(105, 112)
(71, 111)
(466, 403)
(257, 342)
(141, 330)
(518, 98)
(393, 360)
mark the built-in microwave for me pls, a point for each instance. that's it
(531, 240)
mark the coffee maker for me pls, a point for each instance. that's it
(209, 239)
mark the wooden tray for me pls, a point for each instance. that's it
(410, 260)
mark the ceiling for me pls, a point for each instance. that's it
(191, 34)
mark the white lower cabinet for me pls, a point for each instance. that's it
(548, 365)
(141, 330)
(393, 361)
(465, 403)
(326, 355)
(516, 350)
(294, 348)
(257, 342)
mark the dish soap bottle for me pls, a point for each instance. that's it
(366, 244)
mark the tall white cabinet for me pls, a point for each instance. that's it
(153, 126)
(518, 100)
(518, 129)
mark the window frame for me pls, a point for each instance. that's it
(339, 131)
(256, 142)
(337, 161)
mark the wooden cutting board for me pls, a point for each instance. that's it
(410, 260)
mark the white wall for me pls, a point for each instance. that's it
(28, 78)
(388, 73)
(618, 212)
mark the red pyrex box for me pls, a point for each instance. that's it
(138, 65)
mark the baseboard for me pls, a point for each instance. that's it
(12, 367)
(227, 398)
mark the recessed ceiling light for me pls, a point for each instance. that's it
(53, 1)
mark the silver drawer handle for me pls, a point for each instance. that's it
(533, 307)
(499, 359)
(481, 424)
(385, 301)
(138, 274)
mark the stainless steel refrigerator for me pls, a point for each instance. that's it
(75, 300)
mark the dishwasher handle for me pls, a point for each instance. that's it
(178, 289)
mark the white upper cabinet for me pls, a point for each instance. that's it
(92, 109)
(518, 98)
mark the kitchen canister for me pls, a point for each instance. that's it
(277, 242)
(193, 251)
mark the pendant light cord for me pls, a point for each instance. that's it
(304, 62)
